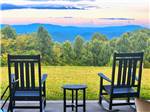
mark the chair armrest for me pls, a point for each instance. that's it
(44, 77)
(104, 77)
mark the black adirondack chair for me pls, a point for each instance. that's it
(126, 79)
(30, 86)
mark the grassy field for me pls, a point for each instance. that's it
(60, 75)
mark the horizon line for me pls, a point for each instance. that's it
(77, 25)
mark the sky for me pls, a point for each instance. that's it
(91, 13)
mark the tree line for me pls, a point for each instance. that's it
(96, 52)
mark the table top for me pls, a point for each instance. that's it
(74, 86)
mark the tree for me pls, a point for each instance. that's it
(147, 55)
(8, 32)
(105, 54)
(67, 53)
(96, 50)
(25, 44)
(57, 52)
(139, 41)
(147, 58)
(123, 43)
(87, 58)
(78, 49)
(99, 36)
(44, 45)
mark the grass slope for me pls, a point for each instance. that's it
(60, 75)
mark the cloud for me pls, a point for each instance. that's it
(10, 6)
(38, 0)
(39, 6)
(116, 19)
(78, 0)
(67, 17)
(63, 0)
(49, 4)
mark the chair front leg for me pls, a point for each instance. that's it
(11, 105)
(41, 105)
(44, 94)
(12, 99)
(110, 103)
(41, 100)
(100, 90)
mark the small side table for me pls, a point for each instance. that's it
(75, 88)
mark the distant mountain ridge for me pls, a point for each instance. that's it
(62, 33)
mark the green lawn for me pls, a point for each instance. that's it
(59, 75)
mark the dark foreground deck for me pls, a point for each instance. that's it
(57, 106)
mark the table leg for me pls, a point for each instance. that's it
(84, 100)
(72, 100)
(76, 100)
(64, 100)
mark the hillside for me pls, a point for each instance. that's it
(62, 33)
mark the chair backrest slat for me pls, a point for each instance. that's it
(129, 72)
(16, 73)
(134, 72)
(124, 72)
(22, 74)
(32, 75)
(119, 72)
(25, 67)
(27, 75)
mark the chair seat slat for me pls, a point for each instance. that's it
(27, 93)
(123, 90)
